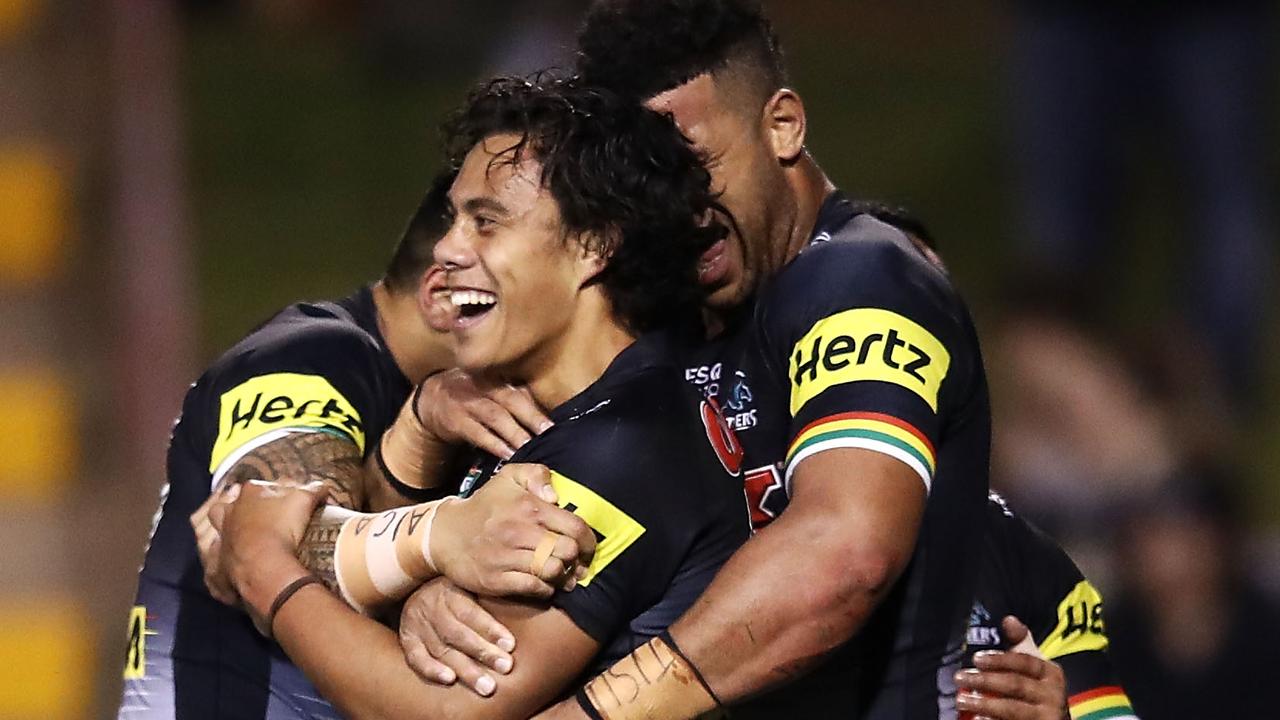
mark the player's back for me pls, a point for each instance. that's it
(313, 367)
(653, 469)
(863, 343)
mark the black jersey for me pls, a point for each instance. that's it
(861, 342)
(654, 471)
(1024, 573)
(314, 367)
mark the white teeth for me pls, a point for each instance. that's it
(472, 297)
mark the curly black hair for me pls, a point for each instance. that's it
(640, 48)
(620, 175)
(429, 223)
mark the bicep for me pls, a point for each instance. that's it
(863, 504)
(303, 457)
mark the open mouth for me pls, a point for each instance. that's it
(472, 305)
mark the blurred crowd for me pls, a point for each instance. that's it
(1131, 444)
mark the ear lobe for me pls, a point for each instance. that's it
(785, 125)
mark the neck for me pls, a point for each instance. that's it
(810, 187)
(417, 349)
(580, 356)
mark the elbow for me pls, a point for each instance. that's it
(852, 582)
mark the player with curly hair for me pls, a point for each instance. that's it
(578, 223)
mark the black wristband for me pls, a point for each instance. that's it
(665, 636)
(417, 395)
(585, 703)
(288, 592)
(415, 494)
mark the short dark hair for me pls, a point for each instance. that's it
(640, 48)
(429, 223)
(620, 173)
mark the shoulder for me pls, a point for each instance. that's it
(304, 332)
(1038, 558)
(649, 413)
(644, 442)
(866, 257)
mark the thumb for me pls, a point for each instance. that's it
(1018, 637)
(536, 479)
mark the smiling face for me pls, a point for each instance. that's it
(514, 278)
(746, 173)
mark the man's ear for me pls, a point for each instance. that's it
(593, 258)
(785, 125)
(435, 307)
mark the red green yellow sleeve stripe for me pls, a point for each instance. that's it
(1104, 703)
(870, 431)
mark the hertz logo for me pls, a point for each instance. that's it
(281, 400)
(867, 344)
(1080, 626)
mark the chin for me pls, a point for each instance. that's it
(726, 297)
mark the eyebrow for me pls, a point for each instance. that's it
(474, 205)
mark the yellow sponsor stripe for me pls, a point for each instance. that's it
(867, 344)
(268, 403)
(615, 530)
(1080, 626)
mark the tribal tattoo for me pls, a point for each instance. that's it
(306, 457)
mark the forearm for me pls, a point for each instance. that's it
(745, 635)
(355, 662)
(370, 560)
(801, 587)
(358, 664)
(408, 461)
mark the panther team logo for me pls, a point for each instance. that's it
(721, 437)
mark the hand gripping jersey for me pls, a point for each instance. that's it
(654, 471)
(314, 367)
(861, 342)
(1026, 574)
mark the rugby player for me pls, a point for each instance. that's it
(866, 428)
(579, 222)
(304, 397)
(1025, 574)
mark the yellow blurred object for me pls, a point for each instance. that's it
(16, 17)
(46, 651)
(34, 212)
(38, 434)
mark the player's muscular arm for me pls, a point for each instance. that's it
(260, 532)
(856, 514)
(297, 458)
(487, 543)
(301, 458)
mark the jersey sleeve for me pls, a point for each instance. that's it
(1064, 612)
(317, 378)
(872, 341)
(642, 492)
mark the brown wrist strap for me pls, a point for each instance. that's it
(283, 597)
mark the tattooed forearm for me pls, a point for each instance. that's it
(307, 457)
(319, 544)
(380, 557)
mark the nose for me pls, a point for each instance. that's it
(455, 249)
